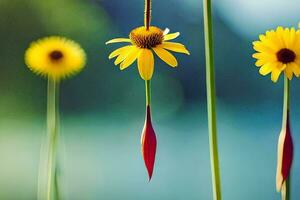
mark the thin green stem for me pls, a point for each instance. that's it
(286, 101)
(52, 137)
(285, 113)
(288, 188)
(211, 104)
(285, 189)
(148, 92)
(147, 17)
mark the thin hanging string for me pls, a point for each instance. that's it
(147, 19)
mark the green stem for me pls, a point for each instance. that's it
(285, 113)
(52, 137)
(286, 101)
(288, 188)
(148, 93)
(211, 95)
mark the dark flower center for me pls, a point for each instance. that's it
(286, 55)
(147, 38)
(56, 55)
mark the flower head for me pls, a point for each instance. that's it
(278, 51)
(143, 42)
(55, 57)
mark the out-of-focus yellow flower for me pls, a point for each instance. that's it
(278, 51)
(55, 57)
(143, 41)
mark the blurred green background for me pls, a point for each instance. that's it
(102, 109)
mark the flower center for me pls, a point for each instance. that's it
(56, 55)
(286, 55)
(147, 39)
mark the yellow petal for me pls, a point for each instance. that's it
(275, 75)
(166, 56)
(146, 64)
(288, 71)
(119, 51)
(269, 42)
(280, 66)
(171, 36)
(266, 69)
(295, 68)
(297, 61)
(130, 58)
(265, 57)
(123, 55)
(279, 29)
(285, 37)
(276, 41)
(259, 63)
(117, 40)
(173, 46)
(280, 33)
(261, 47)
(291, 38)
(120, 58)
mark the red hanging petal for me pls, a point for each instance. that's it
(285, 155)
(148, 144)
(287, 158)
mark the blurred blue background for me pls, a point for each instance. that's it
(102, 109)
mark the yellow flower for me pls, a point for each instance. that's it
(143, 41)
(278, 51)
(55, 57)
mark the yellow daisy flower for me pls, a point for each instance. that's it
(143, 41)
(55, 57)
(278, 51)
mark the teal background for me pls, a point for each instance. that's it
(102, 108)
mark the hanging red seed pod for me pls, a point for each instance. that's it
(148, 141)
(285, 155)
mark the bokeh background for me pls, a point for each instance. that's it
(102, 109)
